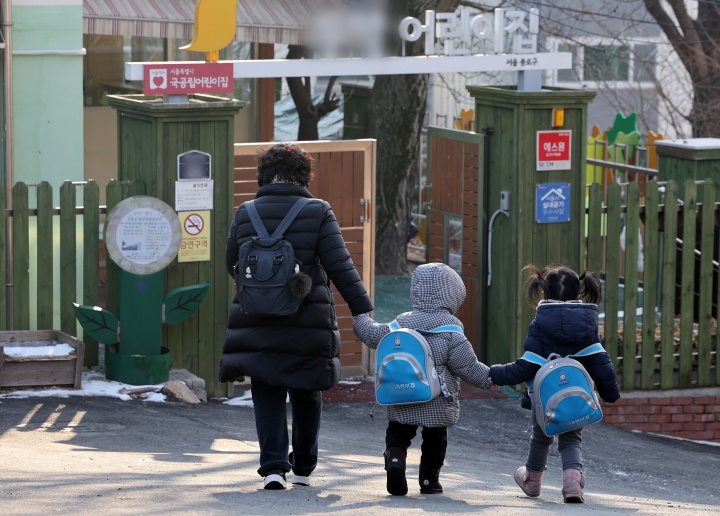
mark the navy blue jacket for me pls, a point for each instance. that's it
(301, 351)
(563, 328)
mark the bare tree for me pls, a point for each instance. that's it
(301, 91)
(680, 88)
(695, 39)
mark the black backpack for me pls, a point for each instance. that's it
(268, 278)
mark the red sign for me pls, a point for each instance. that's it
(553, 150)
(188, 78)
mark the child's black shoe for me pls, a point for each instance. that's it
(395, 467)
(430, 480)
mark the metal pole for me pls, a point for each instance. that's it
(8, 149)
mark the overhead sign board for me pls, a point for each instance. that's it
(552, 203)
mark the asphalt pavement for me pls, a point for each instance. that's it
(93, 455)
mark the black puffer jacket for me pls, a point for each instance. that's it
(563, 328)
(300, 352)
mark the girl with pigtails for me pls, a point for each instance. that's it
(566, 321)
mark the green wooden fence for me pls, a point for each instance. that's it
(670, 339)
(30, 237)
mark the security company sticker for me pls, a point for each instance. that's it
(195, 242)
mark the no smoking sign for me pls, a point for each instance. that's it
(195, 243)
(194, 224)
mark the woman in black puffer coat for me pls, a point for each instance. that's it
(297, 355)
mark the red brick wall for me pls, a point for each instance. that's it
(687, 416)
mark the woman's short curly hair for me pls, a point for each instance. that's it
(285, 163)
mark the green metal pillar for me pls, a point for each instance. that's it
(510, 120)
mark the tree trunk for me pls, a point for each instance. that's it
(398, 136)
(396, 112)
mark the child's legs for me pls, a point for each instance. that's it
(539, 448)
(570, 448)
(398, 435)
(434, 446)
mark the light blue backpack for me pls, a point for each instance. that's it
(563, 393)
(404, 367)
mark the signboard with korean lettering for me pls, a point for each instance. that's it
(194, 195)
(553, 150)
(459, 33)
(195, 241)
(552, 203)
(188, 78)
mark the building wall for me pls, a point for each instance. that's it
(47, 91)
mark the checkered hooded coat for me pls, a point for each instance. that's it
(436, 292)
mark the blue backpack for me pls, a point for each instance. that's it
(563, 393)
(404, 367)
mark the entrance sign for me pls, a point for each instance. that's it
(142, 234)
(512, 30)
(553, 150)
(187, 78)
(457, 34)
(552, 203)
(195, 243)
(278, 68)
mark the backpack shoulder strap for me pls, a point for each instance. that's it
(444, 329)
(533, 358)
(394, 325)
(590, 350)
(255, 219)
(299, 205)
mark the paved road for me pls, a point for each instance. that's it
(94, 455)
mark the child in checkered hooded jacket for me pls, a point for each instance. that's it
(436, 293)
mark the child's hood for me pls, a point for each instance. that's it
(568, 322)
(435, 287)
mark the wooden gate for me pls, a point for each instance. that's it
(455, 216)
(345, 177)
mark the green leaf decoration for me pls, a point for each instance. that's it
(100, 324)
(181, 303)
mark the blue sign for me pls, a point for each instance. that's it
(552, 203)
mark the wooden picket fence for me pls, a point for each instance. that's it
(670, 341)
(18, 231)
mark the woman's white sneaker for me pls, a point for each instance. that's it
(301, 481)
(275, 481)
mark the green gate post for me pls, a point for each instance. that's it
(151, 135)
(510, 165)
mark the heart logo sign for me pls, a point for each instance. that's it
(158, 79)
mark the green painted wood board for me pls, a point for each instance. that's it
(516, 117)
(157, 133)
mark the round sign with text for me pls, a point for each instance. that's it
(142, 234)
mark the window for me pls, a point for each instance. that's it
(634, 62)
(644, 62)
(606, 63)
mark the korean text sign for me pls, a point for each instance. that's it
(553, 150)
(188, 78)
